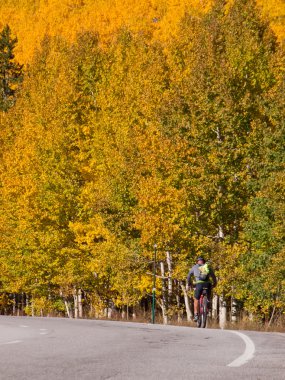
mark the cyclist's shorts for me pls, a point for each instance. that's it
(199, 289)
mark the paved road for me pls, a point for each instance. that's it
(47, 348)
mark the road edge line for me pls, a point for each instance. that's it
(248, 352)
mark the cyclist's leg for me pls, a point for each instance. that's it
(197, 295)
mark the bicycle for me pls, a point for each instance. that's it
(203, 309)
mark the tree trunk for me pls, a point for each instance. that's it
(23, 304)
(18, 304)
(187, 304)
(223, 312)
(32, 307)
(75, 298)
(109, 312)
(134, 314)
(14, 304)
(67, 309)
(179, 315)
(272, 316)
(80, 308)
(233, 310)
(66, 304)
(215, 307)
(170, 282)
(49, 298)
(163, 303)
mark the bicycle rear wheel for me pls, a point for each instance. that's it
(199, 321)
(200, 312)
(204, 312)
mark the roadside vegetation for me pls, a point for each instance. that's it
(116, 136)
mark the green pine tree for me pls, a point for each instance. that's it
(11, 72)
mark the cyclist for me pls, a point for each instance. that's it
(200, 284)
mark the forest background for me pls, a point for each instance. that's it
(130, 124)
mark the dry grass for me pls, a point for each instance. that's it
(241, 325)
(245, 324)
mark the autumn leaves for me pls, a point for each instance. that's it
(110, 149)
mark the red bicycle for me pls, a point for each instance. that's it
(203, 309)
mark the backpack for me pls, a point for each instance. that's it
(204, 272)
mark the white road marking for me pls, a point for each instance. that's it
(23, 326)
(248, 352)
(43, 333)
(12, 342)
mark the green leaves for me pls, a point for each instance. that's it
(11, 72)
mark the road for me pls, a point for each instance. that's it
(49, 348)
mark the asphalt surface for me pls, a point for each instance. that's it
(48, 348)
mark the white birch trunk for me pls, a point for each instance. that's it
(67, 309)
(14, 304)
(109, 312)
(272, 316)
(80, 308)
(223, 312)
(49, 298)
(233, 310)
(91, 309)
(179, 315)
(66, 304)
(215, 304)
(187, 304)
(23, 303)
(220, 233)
(32, 307)
(163, 298)
(170, 282)
(75, 298)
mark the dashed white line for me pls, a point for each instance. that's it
(248, 352)
(23, 326)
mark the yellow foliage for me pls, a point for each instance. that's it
(31, 20)
(110, 149)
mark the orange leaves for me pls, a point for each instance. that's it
(32, 22)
